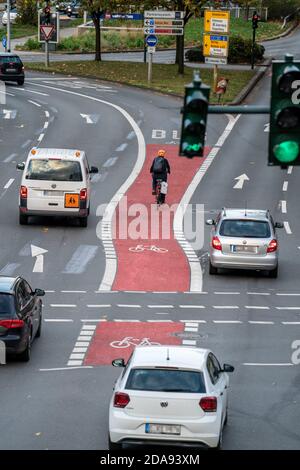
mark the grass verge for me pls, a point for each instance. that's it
(165, 77)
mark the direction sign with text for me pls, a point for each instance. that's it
(216, 21)
(216, 60)
(160, 22)
(164, 14)
(215, 45)
(164, 31)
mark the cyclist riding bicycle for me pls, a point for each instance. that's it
(159, 169)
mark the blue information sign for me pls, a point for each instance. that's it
(4, 41)
(151, 40)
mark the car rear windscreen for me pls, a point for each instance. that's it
(245, 228)
(7, 306)
(10, 60)
(166, 380)
(54, 170)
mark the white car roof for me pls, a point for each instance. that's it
(244, 213)
(70, 154)
(179, 356)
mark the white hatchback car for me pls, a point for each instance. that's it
(169, 395)
(55, 182)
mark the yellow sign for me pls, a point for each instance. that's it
(216, 21)
(215, 45)
(72, 200)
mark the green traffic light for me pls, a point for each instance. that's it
(193, 147)
(286, 152)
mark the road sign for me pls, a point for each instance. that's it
(151, 49)
(166, 23)
(164, 14)
(46, 31)
(216, 60)
(215, 45)
(164, 31)
(4, 41)
(216, 21)
(151, 40)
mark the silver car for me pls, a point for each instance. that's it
(244, 239)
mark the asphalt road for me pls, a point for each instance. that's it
(249, 320)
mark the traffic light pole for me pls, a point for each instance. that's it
(47, 53)
(253, 48)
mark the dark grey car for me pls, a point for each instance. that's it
(11, 68)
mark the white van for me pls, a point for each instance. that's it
(55, 182)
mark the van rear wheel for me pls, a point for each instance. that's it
(83, 221)
(23, 219)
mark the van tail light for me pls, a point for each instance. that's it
(83, 194)
(209, 404)
(121, 400)
(23, 192)
(11, 324)
(273, 245)
(216, 244)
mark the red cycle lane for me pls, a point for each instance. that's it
(117, 339)
(160, 264)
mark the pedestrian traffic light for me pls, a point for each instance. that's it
(194, 118)
(47, 15)
(255, 20)
(284, 140)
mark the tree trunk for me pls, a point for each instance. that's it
(181, 55)
(177, 50)
(98, 39)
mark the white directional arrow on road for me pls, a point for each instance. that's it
(240, 181)
(267, 127)
(39, 254)
(9, 113)
(90, 118)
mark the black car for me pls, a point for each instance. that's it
(20, 315)
(11, 68)
(75, 9)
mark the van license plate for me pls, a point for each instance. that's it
(53, 193)
(162, 429)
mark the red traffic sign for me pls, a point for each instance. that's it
(47, 31)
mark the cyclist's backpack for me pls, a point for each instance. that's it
(159, 165)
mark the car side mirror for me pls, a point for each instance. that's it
(279, 225)
(227, 368)
(118, 362)
(39, 292)
(94, 169)
(21, 166)
(210, 222)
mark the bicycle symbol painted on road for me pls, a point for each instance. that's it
(130, 341)
(141, 248)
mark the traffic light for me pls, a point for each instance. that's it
(284, 140)
(194, 118)
(47, 15)
(255, 20)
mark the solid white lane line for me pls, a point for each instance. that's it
(63, 305)
(290, 169)
(33, 91)
(285, 186)
(283, 207)
(35, 104)
(9, 183)
(287, 228)
(257, 307)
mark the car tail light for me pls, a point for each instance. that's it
(216, 244)
(83, 194)
(208, 404)
(11, 324)
(121, 400)
(23, 192)
(273, 245)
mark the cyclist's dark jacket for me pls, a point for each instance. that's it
(165, 170)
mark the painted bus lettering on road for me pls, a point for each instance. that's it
(162, 134)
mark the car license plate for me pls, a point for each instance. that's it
(162, 429)
(11, 70)
(243, 249)
(53, 193)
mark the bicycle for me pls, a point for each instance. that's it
(140, 248)
(159, 196)
(130, 341)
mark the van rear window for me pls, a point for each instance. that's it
(54, 170)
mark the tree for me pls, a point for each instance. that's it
(97, 9)
(27, 10)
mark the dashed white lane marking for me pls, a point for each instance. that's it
(287, 227)
(234, 307)
(46, 125)
(287, 308)
(287, 294)
(99, 305)
(35, 104)
(257, 307)
(121, 147)
(40, 138)
(10, 158)
(9, 183)
(66, 368)
(290, 322)
(58, 320)
(128, 306)
(290, 170)
(258, 293)
(71, 291)
(192, 306)
(285, 186)
(33, 91)
(160, 306)
(26, 143)
(229, 322)
(47, 114)
(283, 207)
(227, 293)
(110, 162)
(254, 322)
(63, 305)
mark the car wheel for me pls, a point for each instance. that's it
(83, 221)
(212, 269)
(20, 82)
(274, 273)
(23, 219)
(39, 330)
(25, 355)
(114, 445)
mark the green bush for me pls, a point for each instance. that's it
(240, 51)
